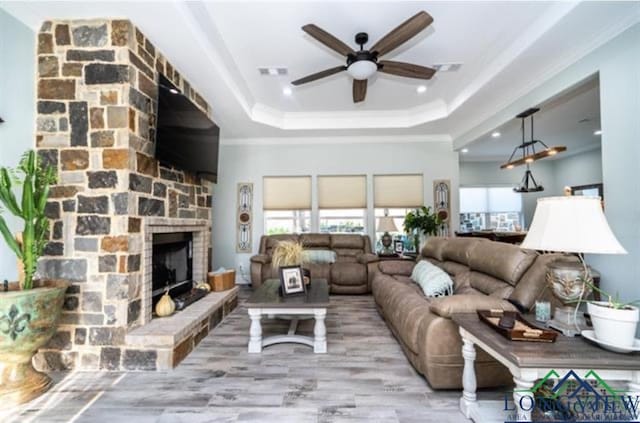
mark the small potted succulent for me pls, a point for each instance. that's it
(421, 221)
(29, 308)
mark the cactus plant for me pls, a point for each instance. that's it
(35, 180)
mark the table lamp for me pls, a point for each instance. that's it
(570, 224)
(386, 225)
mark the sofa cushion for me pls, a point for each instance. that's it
(348, 274)
(319, 271)
(347, 255)
(343, 241)
(533, 286)
(452, 268)
(504, 261)
(434, 246)
(316, 240)
(433, 281)
(457, 249)
(488, 285)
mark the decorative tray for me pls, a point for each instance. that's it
(521, 330)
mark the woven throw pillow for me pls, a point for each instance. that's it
(320, 256)
(434, 281)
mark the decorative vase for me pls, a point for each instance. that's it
(28, 320)
(614, 326)
(166, 306)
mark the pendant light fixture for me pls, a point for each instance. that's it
(528, 148)
(529, 154)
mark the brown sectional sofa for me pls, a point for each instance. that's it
(486, 275)
(352, 273)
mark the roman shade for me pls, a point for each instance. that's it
(342, 192)
(398, 191)
(287, 193)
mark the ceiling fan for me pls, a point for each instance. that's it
(362, 64)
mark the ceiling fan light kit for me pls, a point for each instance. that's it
(363, 64)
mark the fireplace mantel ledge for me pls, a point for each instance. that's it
(167, 332)
(175, 221)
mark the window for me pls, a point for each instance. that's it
(342, 203)
(287, 204)
(287, 221)
(495, 208)
(343, 221)
(397, 195)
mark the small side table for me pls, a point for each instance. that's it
(528, 362)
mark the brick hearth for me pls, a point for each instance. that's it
(97, 91)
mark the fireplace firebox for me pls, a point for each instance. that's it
(172, 265)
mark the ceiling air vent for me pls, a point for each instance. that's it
(447, 67)
(272, 71)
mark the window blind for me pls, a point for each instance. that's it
(489, 200)
(398, 191)
(342, 192)
(286, 193)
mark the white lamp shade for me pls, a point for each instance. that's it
(571, 224)
(362, 69)
(386, 224)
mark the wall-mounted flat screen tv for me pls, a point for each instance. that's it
(185, 136)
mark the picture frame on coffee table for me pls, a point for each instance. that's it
(292, 280)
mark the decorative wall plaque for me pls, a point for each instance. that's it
(245, 217)
(442, 205)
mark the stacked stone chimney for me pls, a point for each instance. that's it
(96, 101)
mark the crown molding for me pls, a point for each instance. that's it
(387, 139)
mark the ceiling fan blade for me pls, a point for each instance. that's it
(408, 70)
(327, 39)
(359, 90)
(318, 75)
(405, 31)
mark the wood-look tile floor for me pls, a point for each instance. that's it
(365, 377)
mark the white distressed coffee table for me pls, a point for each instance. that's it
(267, 301)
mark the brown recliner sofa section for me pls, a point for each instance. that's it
(352, 273)
(486, 275)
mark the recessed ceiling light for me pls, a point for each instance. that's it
(597, 132)
(174, 91)
(464, 150)
(495, 134)
(421, 89)
(287, 91)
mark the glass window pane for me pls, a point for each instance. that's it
(473, 200)
(287, 221)
(343, 221)
(504, 199)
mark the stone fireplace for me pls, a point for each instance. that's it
(96, 101)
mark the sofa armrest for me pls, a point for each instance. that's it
(467, 303)
(396, 267)
(367, 258)
(261, 258)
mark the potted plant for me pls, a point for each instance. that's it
(614, 322)
(421, 221)
(29, 308)
(290, 253)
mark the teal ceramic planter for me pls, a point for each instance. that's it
(28, 320)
